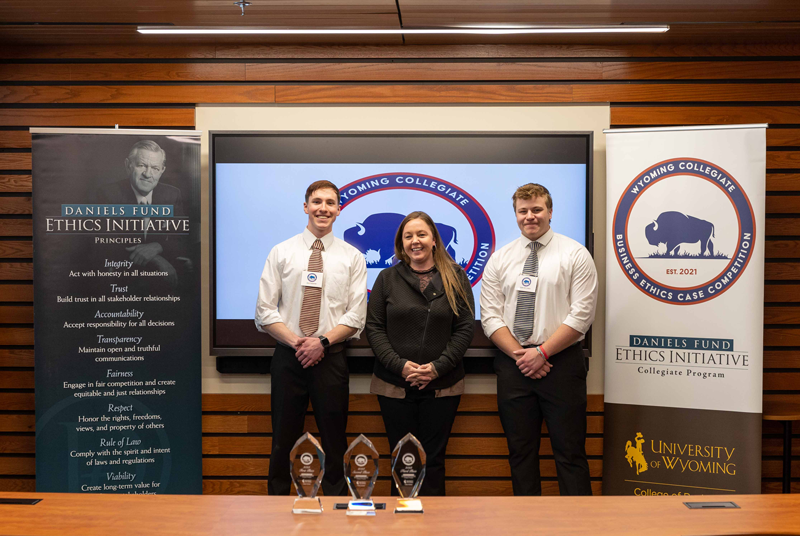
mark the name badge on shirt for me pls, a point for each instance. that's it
(311, 279)
(526, 283)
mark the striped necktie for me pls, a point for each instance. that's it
(146, 220)
(526, 301)
(312, 297)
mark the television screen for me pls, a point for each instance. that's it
(463, 181)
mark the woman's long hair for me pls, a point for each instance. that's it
(444, 263)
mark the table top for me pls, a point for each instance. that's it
(155, 515)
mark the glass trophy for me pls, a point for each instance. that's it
(307, 468)
(408, 471)
(361, 472)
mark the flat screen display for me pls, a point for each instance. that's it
(463, 181)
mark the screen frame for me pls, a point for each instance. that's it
(360, 353)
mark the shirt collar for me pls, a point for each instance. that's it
(143, 199)
(543, 240)
(309, 239)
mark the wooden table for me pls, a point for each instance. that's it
(122, 515)
(785, 412)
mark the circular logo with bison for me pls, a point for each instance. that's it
(684, 231)
(374, 207)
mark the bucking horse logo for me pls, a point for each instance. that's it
(634, 454)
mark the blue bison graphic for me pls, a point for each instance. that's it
(374, 237)
(674, 229)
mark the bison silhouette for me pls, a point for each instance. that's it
(674, 229)
(374, 237)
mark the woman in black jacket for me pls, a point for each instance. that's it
(420, 321)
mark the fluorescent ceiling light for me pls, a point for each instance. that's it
(187, 30)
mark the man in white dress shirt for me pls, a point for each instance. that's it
(312, 297)
(538, 299)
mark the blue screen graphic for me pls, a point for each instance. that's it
(261, 205)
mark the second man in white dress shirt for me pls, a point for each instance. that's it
(538, 299)
(312, 297)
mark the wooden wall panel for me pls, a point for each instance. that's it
(137, 94)
(98, 117)
(16, 293)
(17, 401)
(685, 92)
(497, 51)
(354, 71)
(782, 358)
(782, 182)
(16, 227)
(782, 293)
(15, 161)
(776, 227)
(18, 484)
(434, 71)
(17, 337)
(17, 444)
(16, 271)
(14, 139)
(15, 205)
(15, 183)
(18, 357)
(148, 86)
(699, 70)
(703, 115)
(508, 52)
(17, 423)
(17, 465)
(783, 136)
(15, 249)
(421, 94)
(783, 159)
(83, 72)
(110, 52)
(781, 249)
(538, 93)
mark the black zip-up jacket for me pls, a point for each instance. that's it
(404, 324)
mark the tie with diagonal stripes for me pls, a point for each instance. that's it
(145, 221)
(312, 297)
(526, 301)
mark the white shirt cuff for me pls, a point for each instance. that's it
(352, 323)
(576, 324)
(266, 320)
(490, 325)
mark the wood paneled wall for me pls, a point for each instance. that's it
(159, 86)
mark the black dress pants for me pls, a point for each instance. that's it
(327, 385)
(430, 419)
(560, 399)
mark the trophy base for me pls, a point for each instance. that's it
(408, 506)
(362, 507)
(307, 505)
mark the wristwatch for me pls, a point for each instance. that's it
(324, 340)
